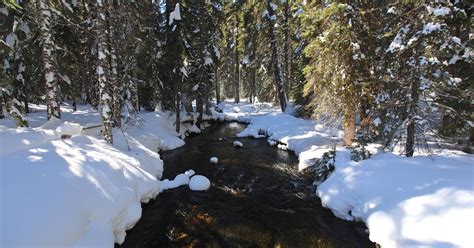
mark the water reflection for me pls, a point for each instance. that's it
(257, 199)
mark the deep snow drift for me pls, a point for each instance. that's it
(418, 201)
(78, 191)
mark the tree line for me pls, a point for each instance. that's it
(389, 71)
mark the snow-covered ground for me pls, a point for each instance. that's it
(81, 191)
(308, 139)
(405, 202)
(78, 191)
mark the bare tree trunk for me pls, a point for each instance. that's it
(349, 124)
(178, 111)
(237, 62)
(217, 82)
(411, 126)
(471, 136)
(287, 48)
(113, 78)
(276, 66)
(253, 78)
(200, 110)
(49, 65)
(2, 115)
(103, 70)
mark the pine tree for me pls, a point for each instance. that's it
(337, 70)
(420, 55)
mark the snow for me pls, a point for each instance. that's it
(68, 128)
(79, 191)
(439, 11)
(423, 201)
(392, 10)
(216, 52)
(309, 141)
(274, 6)
(406, 201)
(397, 43)
(213, 160)
(377, 121)
(272, 142)
(431, 27)
(199, 183)
(238, 144)
(456, 40)
(175, 15)
(179, 180)
(207, 61)
(11, 39)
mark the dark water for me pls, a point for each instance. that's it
(257, 199)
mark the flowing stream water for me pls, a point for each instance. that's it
(257, 199)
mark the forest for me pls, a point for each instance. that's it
(401, 69)
(396, 75)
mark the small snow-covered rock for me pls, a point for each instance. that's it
(283, 147)
(272, 142)
(213, 160)
(238, 144)
(69, 128)
(199, 183)
(190, 173)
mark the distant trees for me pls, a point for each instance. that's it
(391, 72)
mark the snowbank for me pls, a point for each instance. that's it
(419, 201)
(78, 191)
(308, 139)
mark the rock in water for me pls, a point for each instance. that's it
(199, 183)
(213, 160)
(238, 144)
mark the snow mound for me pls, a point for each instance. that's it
(80, 191)
(271, 142)
(213, 160)
(179, 180)
(199, 183)
(412, 202)
(69, 128)
(238, 144)
(190, 173)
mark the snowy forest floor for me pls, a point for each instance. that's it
(81, 191)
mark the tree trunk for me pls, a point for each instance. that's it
(49, 65)
(103, 70)
(113, 78)
(276, 66)
(411, 126)
(253, 82)
(349, 124)
(27, 107)
(200, 110)
(471, 136)
(237, 62)
(178, 111)
(218, 86)
(2, 115)
(287, 48)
